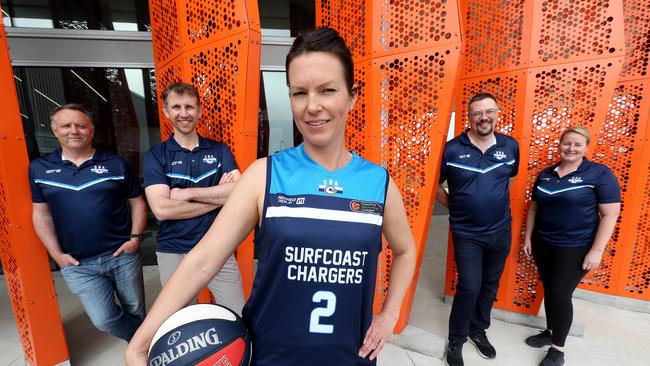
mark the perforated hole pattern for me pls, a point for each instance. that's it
(164, 78)
(216, 73)
(208, 18)
(483, 50)
(349, 19)
(638, 280)
(637, 38)
(166, 38)
(410, 103)
(575, 28)
(615, 149)
(356, 129)
(409, 24)
(14, 284)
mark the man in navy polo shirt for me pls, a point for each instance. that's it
(478, 166)
(187, 179)
(89, 213)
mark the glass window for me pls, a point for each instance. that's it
(286, 18)
(124, 107)
(128, 15)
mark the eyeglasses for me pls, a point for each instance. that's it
(488, 112)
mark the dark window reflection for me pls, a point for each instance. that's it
(124, 107)
(130, 15)
(286, 18)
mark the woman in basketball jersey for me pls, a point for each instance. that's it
(321, 211)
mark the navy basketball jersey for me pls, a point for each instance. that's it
(318, 246)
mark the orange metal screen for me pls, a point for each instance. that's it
(24, 259)
(214, 45)
(554, 64)
(406, 55)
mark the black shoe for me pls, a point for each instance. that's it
(483, 346)
(454, 354)
(542, 339)
(554, 357)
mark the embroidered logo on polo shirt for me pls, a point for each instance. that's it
(330, 186)
(209, 159)
(500, 155)
(464, 156)
(50, 171)
(99, 169)
(575, 180)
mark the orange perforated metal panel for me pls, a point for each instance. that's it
(406, 55)
(24, 259)
(552, 64)
(216, 47)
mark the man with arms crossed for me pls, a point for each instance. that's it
(478, 166)
(89, 213)
(187, 179)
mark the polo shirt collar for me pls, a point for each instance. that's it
(57, 155)
(500, 139)
(173, 145)
(583, 166)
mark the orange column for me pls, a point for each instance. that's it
(214, 45)
(406, 55)
(24, 259)
(624, 147)
(553, 64)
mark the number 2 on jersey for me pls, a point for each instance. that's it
(328, 310)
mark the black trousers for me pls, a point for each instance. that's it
(560, 269)
(480, 260)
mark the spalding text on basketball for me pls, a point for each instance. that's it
(193, 344)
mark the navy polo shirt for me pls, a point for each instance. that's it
(567, 207)
(479, 184)
(88, 203)
(171, 164)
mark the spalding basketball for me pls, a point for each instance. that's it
(202, 334)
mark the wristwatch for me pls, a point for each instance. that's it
(137, 236)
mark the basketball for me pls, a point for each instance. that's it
(202, 334)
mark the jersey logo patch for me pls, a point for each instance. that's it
(50, 171)
(330, 186)
(209, 159)
(366, 207)
(500, 155)
(99, 169)
(464, 156)
(575, 180)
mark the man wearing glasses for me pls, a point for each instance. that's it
(477, 165)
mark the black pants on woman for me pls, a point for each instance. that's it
(560, 269)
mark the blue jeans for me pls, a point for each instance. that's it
(96, 281)
(480, 260)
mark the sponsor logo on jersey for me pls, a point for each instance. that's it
(99, 169)
(300, 201)
(500, 155)
(574, 180)
(366, 207)
(192, 344)
(546, 179)
(50, 171)
(330, 186)
(180, 162)
(464, 156)
(209, 159)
